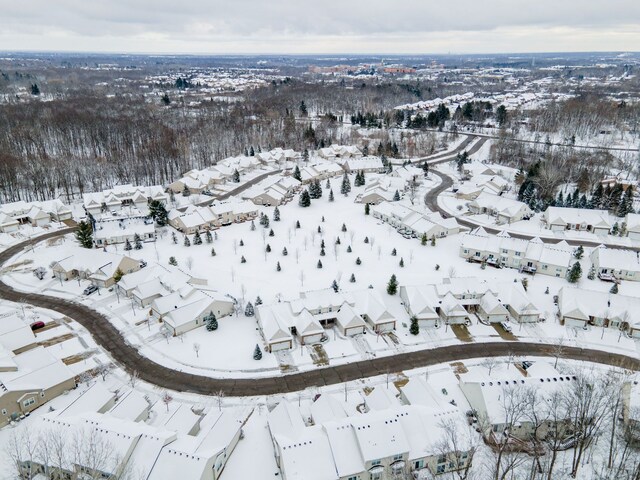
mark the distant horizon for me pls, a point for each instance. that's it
(327, 54)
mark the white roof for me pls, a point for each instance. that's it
(130, 406)
(615, 258)
(566, 215)
(37, 369)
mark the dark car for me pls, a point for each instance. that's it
(37, 325)
(89, 290)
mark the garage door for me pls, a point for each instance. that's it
(385, 327)
(354, 330)
(572, 322)
(280, 346)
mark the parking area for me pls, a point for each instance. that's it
(462, 333)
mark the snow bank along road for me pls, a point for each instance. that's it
(110, 339)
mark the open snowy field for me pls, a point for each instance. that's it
(228, 350)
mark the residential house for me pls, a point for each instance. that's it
(186, 307)
(415, 221)
(371, 307)
(632, 221)
(334, 152)
(383, 443)
(31, 379)
(95, 265)
(127, 197)
(616, 264)
(349, 322)
(111, 231)
(272, 191)
(492, 310)
(504, 209)
(488, 391)
(369, 164)
(579, 308)
(559, 219)
(502, 250)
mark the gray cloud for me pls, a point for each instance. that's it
(297, 26)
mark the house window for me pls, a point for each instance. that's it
(353, 478)
(466, 250)
(442, 459)
(375, 462)
(418, 465)
(517, 254)
(544, 266)
(28, 402)
(477, 254)
(397, 457)
(505, 251)
(440, 469)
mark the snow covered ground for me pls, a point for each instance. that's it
(227, 352)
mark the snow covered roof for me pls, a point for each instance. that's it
(616, 259)
(327, 408)
(15, 333)
(501, 205)
(451, 307)
(37, 369)
(130, 406)
(582, 303)
(491, 305)
(348, 318)
(364, 163)
(583, 216)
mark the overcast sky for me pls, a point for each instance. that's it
(320, 26)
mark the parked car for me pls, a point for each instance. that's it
(37, 325)
(90, 289)
(505, 326)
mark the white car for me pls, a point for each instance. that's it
(505, 326)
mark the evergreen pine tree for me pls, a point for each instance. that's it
(186, 191)
(319, 265)
(268, 249)
(334, 286)
(297, 223)
(626, 204)
(396, 196)
(271, 234)
(358, 261)
(137, 242)
(253, 225)
(414, 329)
(242, 259)
(345, 188)
(211, 322)
(423, 239)
(276, 214)
(248, 311)
(579, 252)
(615, 229)
(393, 252)
(278, 267)
(173, 261)
(197, 239)
(257, 353)
(127, 245)
(614, 289)
(241, 243)
(366, 239)
(327, 185)
(575, 273)
(401, 262)
(174, 237)
(353, 278)
(208, 237)
(187, 243)
(338, 241)
(331, 197)
(285, 252)
(366, 209)
(158, 212)
(305, 199)
(235, 178)
(433, 241)
(349, 250)
(258, 300)
(84, 234)
(213, 252)
(392, 286)
(296, 174)
(592, 273)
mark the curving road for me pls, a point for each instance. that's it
(431, 201)
(126, 355)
